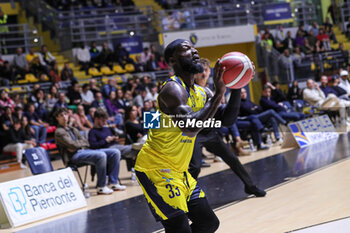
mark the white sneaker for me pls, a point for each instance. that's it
(118, 187)
(137, 146)
(22, 166)
(104, 190)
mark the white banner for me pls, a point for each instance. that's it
(214, 36)
(37, 197)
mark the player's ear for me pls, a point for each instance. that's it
(171, 60)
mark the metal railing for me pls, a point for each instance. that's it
(344, 15)
(18, 35)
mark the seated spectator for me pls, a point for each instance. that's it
(285, 59)
(40, 105)
(20, 63)
(99, 102)
(324, 39)
(39, 126)
(87, 96)
(139, 66)
(112, 105)
(83, 122)
(102, 136)
(61, 102)
(280, 34)
(299, 39)
(314, 29)
(276, 93)
(162, 63)
(109, 87)
(279, 46)
(133, 127)
(121, 55)
(5, 100)
(154, 51)
(74, 94)
(140, 98)
(46, 58)
(67, 74)
(320, 47)
(120, 103)
(315, 96)
(51, 98)
(145, 56)
(28, 131)
(328, 27)
(93, 86)
(270, 117)
(289, 42)
(344, 81)
(154, 93)
(18, 114)
(297, 56)
(152, 64)
(94, 52)
(267, 103)
(75, 147)
(301, 30)
(6, 119)
(32, 95)
(294, 92)
(106, 55)
(84, 58)
(91, 115)
(17, 141)
(55, 74)
(34, 63)
(6, 74)
(307, 48)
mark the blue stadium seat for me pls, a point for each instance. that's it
(38, 160)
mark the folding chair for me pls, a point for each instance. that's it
(38, 160)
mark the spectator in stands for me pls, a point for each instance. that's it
(156, 54)
(301, 31)
(312, 39)
(20, 63)
(285, 59)
(307, 48)
(314, 29)
(74, 95)
(335, 90)
(145, 56)
(40, 105)
(139, 67)
(99, 102)
(111, 103)
(269, 117)
(76, 148)
(289, 42)
(120, 103)
(109, 87)
(18, 141)
(154, 93)
(102, 136)
(315, 96)
(51, 98)
(106, 55)
(140, 98)
(18, 101)
(87, 96)
(67, 74)
(344, 81)
(5, 100)
(46, 58)
(91, 115)
(133, 127)
(121, 55)
(152, 64)
(6, 74)
(83, 122)
(61, 102)
(297, 56)
(39, 126)
(28, 131)
(94, 52)
(267, 103)
(162, 63)
(84, 58)
(93, 86)
(280, 34)
(294, 92)
(279, 46)
(18, 114)
(6, 119)
(54, 74)
(323, 38)
(299, 39)
(34, 63)
(276, 93)
(32, 95)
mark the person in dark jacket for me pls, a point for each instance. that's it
(18, 141)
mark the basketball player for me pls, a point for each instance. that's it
(213, 142)
(161, 166)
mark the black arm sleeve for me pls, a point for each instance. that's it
(228, 113)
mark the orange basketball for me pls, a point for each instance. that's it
(238, 70)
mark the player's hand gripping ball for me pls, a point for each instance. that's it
(239, 70)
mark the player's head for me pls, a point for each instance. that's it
(182, 56)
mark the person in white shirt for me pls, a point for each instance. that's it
(145, 56)
(87, 96)
(280, 34)
(344, 82)
(315, 96)
(84, 59)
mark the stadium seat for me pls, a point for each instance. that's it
(94, 72)
(118, 69)
(106, 70)
(119, 79)
(38, 160)
(31, 78)
(129, 68)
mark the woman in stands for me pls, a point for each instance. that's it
(18, 141)
(51, 98)
(5, 100)
(113, 109)
(82, 120)
(29, 132)
(133, 126)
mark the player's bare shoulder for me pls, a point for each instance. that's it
(171, 96)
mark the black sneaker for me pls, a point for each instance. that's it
(255, 191)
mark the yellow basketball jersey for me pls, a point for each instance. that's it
(168, 147)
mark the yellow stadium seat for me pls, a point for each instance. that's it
(31, 78)
(119, 79)
(118, 69)
(16, 89)
(313, 67)
(129, 68)
(94, 72)
(104, 80)
(106, 70)
(22, 81)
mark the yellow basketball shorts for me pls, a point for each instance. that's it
(167, 192)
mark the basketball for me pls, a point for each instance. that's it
(238, 70)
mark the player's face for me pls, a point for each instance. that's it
(188, 58)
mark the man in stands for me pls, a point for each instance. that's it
(75, 147)
(39, 126)
(20, 63)
(344, 82)
(333, 89)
